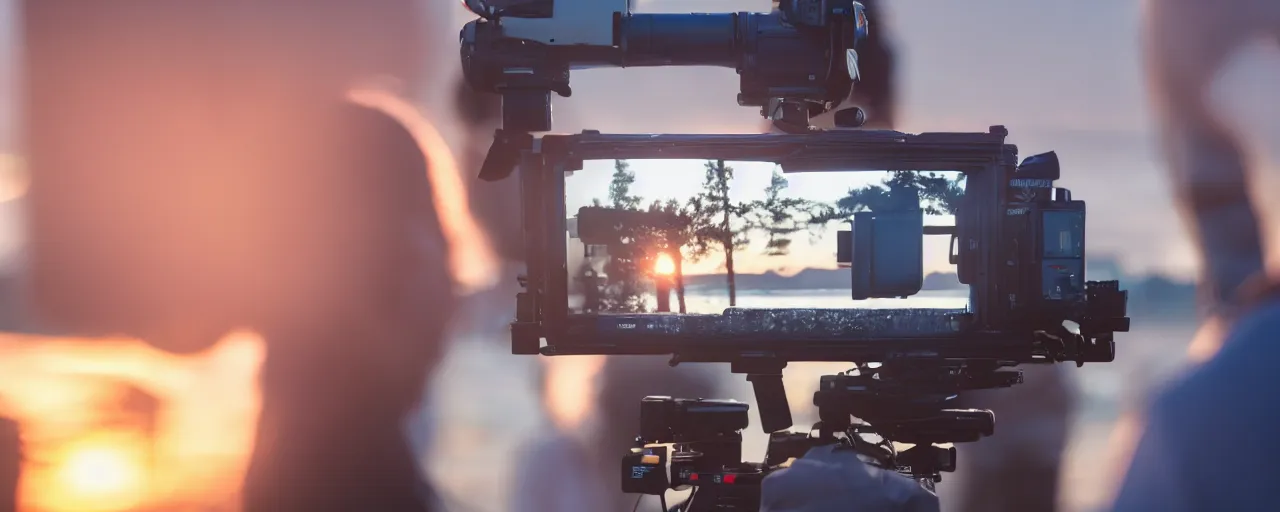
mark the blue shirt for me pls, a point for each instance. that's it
(1212, 438)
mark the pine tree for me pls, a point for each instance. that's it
(620, 187)
(713, 213)
(674, 238)
(938, 195)
(623, 291)
(779, 217)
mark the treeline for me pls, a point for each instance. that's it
(711, 222)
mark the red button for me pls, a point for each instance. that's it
(729, 478)
(693, 477)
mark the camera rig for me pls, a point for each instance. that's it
(1018, 243)
(902, 404)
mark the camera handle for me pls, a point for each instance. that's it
(765, 376)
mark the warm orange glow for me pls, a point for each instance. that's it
(571, 389)
(113, 424)
(1207, 340)
(1122, 445)
(13, 177)
(104, 475)
(664, 265)
(471, 258)
(100, 470)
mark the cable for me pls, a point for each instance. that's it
(637, 506)
(662, 499)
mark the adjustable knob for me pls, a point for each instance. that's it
(853, 117)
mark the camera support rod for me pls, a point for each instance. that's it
(817, 151)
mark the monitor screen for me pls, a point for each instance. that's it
(698, 237)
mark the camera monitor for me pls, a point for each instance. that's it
(950, 249)
(699, 237)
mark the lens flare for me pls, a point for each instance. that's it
(664, 265)
(571, 389)
(93, 443)
(99, 470)
(101, 473)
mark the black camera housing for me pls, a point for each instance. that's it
(1021, 295)
(803, 53)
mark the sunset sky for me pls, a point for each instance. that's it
(1061, 76)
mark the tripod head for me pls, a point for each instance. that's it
(898, 402)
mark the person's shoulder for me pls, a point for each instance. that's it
(831, 478)
(1203, 418)
(1239, 382)
(1247, 358)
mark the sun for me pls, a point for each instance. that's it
(107, 475)
(663, 265)
(99, 470)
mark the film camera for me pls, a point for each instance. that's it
(1018, 242)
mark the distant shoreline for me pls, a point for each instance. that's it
(1150, 297)
(808, 279)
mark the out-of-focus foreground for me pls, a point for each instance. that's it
(114, 424)
(110, 425)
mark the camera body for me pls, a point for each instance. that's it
(694, 443)
(697, 443)
(1018, 242)
(797, 61)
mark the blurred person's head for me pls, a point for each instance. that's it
(196, 166)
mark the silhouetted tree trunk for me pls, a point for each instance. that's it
(680, 281)
(728, 238)
(713, 212)
(733, 288)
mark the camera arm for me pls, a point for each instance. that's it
(797, 61)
